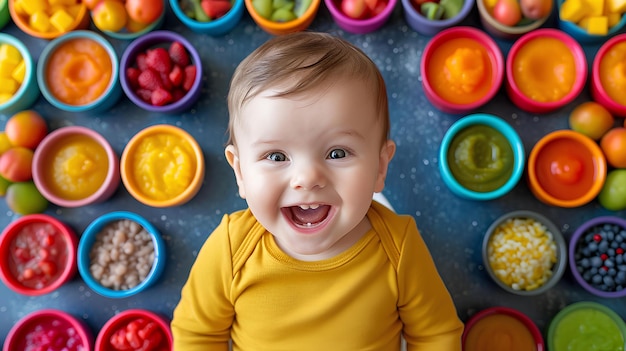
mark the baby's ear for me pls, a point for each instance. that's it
(232, 157)
(386, 154)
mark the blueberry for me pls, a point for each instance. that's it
(596, 279)
(608, 280)
(596, 261)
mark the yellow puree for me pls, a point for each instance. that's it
(613, 73)
(163, 166)
(79, 167)
(544, 69)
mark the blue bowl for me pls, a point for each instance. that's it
(581, 35)
(427, 27)
(216, 27)
(28, 92)
(110, 95)
(499, 125)
(88, 239)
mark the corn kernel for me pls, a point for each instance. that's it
(62, 21)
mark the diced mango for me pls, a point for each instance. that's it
(9, 53)
(62, 2)
(574, 10)
(598, 25)
(618, 6)
(7, 67)
(5, 97)
(596, 7)
(39, 21)
(614, 18)
(8, 86)
(19, 72)
(33, 6)
(62, 21)
(18, 6)
(74, 10)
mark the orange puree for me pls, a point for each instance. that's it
(498, 332)
(613, 72)
(544, 69)
(460, 71)
(78, 166)
(78, 71)
(565, 169)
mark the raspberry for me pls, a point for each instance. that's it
(159, 60)
(178, 54)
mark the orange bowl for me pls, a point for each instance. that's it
(278, 28)
(81, 21)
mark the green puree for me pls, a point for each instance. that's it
(588, 330)
(480, 158)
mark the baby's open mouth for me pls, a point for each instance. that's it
(308, 215)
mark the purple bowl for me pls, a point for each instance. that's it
(573, 245)
(424, 26)
(153, 39)
(359, 26)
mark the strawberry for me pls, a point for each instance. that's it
(160, 97)
(178, 54)
(190, 77)
(166, 83)
(178, 94)
(132, 74)
(215, 8)
(159, 60)
(141, 61)
(176, 76)
(144, 94)
(150, 80)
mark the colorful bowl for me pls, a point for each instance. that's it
(472, 134)
(428, 27)
(532, 59)
(177, 150)
(596, 251)
(566, 169)
(75, 166)
(94, 93)
(119, 276)
(608, 59)
(278, 28)
(508, 236)
(28, 91)
(69, 332)
(23, 242)
(126, 34)
(141, 319)
(80, 21)
(214, 27)
(495, 28)
(493, 327)
(162, 39)
(455, 50)
(360, 25)
(581, 35)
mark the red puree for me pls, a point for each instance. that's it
(51, 335)
(39, 255)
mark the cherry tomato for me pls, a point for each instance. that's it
(353, 8)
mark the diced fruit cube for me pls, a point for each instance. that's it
(8, 85)
(33, 6)
(616, 5)
(598, 25)
(39, 21)
(573, 10)
(61, 20)
(19, 72)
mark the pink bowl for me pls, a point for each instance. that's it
(359, 26)
(598, 92)
(495, 57)
(117, 325)
(21, 244)
(580, 62)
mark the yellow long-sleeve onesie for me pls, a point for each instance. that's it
(243, 287)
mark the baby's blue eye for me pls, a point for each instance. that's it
(276, 157)
(337, 153)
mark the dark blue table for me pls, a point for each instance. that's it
(453, 228)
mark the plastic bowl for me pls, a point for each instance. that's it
(103, 98)
(427, 27)
(495, 28)
(502, 323)
(586, 253)
(179, 150)
(586, 325)
(70, 333)
(519, 227)
(443, 46)
(359, 26)
(141, 318)
(160, 38)
(566, 169)
(501, 129)
(599, 93)
(539, 59)
(28, 91)
(125, 34)
(217, 27)
(80, 21)
(94, 164)
(278, 28)
(580, 34)
(20, 246)
(107, 274)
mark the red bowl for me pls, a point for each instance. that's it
(116, 329)
(22, 267)
(598, 92)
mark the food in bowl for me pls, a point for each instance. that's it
(608, 84)
(596, 17)
(518, 12)
(501, 328)
(135, 329)
(126, 19)
(205, 10)
(12, 71)
(48, 19)
(437, 10)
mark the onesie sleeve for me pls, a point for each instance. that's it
(202, 319)
(426, 308)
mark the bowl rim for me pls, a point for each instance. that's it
(580, 63)
(573, 244)
(559, 267)
(232, 15)
(51, 47)
(29, 73)
(588, 143)
(131, 314)
(81, 327)
(509, 30)
(502, 127)
(124, 35)
(110, 181)
(196, 182)
(71, 241)
(88, 238)
(152, 39)
(578, 32)
(438, 25)
(493, 51)
(81, 18)
(508, 311)
(284, 27)
(338, 15)
(607, 100)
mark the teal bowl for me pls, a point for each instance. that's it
(111, 92)
(28, 92)
(216, 27)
